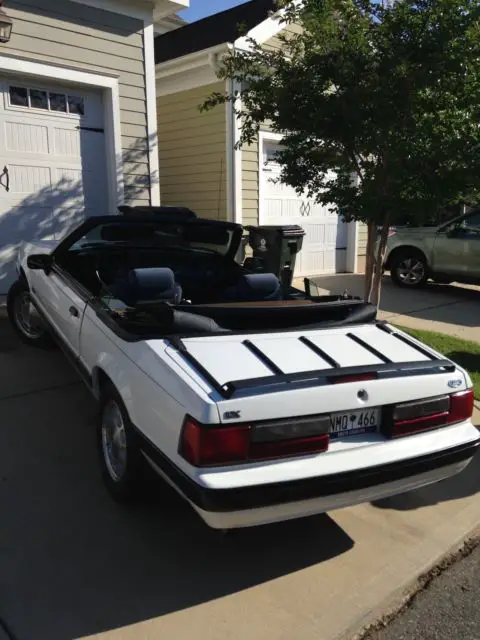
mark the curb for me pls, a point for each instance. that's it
(400, 602)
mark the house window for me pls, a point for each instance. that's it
(270, 153)
(46, 100)
(76, 105)
(19, 97)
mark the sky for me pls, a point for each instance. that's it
(203, 8)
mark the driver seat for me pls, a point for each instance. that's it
(146, 286)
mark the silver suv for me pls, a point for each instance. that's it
(449, 253)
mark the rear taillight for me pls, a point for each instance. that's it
(423, 415)
(206, 446)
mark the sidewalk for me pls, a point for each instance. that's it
(454, 310)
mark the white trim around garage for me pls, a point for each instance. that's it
(111, 101)
(238, 159)
(263, 136)
(234, 157)
(151, 96)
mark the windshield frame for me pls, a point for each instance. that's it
(96, 221)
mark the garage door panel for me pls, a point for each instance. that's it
(57, 169)
(326, 234)
(67, 142)
(26, 138)
(29, 178)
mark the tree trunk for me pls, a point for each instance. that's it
(379, 260)
(370, 260)
(375, 258)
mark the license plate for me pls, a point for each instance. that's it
(352, 423)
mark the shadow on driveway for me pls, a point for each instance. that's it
(460, 486)
(441, 303)
(73, 563)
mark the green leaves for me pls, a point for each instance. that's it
(387, 98)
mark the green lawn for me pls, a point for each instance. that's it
(463, 352)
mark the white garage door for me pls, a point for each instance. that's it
(52, 164)
(325, 244)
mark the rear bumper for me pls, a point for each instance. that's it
(258, 504)
(303, 508)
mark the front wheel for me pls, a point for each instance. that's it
(409, 270)
(24, 317)
(121, 461)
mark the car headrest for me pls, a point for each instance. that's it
(263, 286)
(147, 285)
(254, 287)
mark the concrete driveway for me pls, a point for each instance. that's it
(73, 564)
(448, 309)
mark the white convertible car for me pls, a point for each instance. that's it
(255, 404)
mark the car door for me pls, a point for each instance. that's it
(64, 303)
(456, 250)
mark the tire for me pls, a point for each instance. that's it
(121, 462)
(409, 269)
(23, 318)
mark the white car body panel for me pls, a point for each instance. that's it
(159, 387)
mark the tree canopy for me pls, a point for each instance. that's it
(385, 97)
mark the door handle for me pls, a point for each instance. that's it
(73, 312)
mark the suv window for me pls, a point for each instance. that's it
(471, 222)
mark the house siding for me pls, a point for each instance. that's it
(250, 154)
(88, 39)
(193, 152)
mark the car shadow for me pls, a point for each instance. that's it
(463, 485)
(73, 563)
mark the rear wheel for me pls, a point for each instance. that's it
(121, 461)
(24, 318)
(409, 269)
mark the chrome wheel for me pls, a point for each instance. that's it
(114, 441)
(411, 271)
(26, 316)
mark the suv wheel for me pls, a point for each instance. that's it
(409, 269)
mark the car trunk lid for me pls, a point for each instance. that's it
(265, 376)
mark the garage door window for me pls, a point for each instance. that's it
(46, 101)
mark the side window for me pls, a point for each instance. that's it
(473, 221)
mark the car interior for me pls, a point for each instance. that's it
(183, 279)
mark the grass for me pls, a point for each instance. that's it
(464, 352)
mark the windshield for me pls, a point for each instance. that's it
(195, 235)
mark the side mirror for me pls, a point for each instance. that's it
(40, 261)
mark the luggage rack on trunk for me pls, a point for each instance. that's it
(281, 381)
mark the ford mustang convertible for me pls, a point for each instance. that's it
(255, 402)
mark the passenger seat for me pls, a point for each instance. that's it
(254, 287)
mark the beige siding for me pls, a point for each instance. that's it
(193, 154)
(362, 239)
(250, 171)
(250, 157)
(88, 39)
(276, 43)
